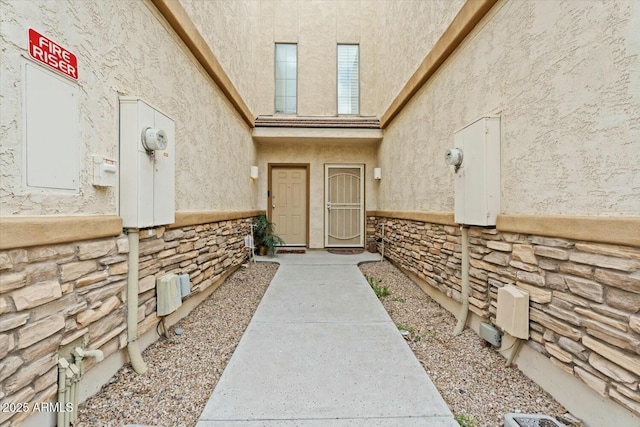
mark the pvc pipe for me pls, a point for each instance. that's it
(78, 355)
(384, 243)
(73, 392)
(62, 385)
(97, 354)
(253, 245)
(132, 304)
(464, 310)
(67, 395)
(514, 353)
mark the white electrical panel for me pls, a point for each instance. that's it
(476, 158)
(147, 165)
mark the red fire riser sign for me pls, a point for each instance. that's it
(50, 53)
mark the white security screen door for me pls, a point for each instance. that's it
(344, 215)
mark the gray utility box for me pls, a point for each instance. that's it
(491, 334)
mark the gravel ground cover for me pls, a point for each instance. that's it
(183, 370)
(472, 378)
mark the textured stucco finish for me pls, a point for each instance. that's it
(317, 155)
(394, 37)
(564, 77)
(214, 146)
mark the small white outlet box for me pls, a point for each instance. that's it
(105, 172)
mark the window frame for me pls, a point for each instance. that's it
(338, 77)
(275, 80)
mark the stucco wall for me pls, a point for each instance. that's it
(394, 37)
(317, 155)
(564, 78)
(131, 53)
(405, 32)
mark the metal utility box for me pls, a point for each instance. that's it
(52, 136)
(147, 165)
(477, 176)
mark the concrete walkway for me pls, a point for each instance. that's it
(322, 351)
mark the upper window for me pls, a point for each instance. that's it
(286, 78)
(348, 79)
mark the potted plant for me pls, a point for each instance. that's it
(271, 241)
(264, 236)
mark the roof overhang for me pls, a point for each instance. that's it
(316, 135)
(296, 129)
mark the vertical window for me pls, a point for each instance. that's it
(286, 77)
(348, 79)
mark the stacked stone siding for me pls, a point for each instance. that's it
(584, 296)
(51, 296)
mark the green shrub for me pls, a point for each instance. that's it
(381, 291)
(466, 420)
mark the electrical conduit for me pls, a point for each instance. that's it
(63, 366)
(464, 310)
(132, 304)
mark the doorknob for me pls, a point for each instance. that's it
(328, 206)
(273, 206)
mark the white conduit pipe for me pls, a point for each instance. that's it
(63, 365)
(464, 310)
(67, 394)
(132, 304)
(384, 243)
(78, 356)
(71, 415)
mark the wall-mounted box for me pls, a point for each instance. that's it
(147, 165)
(168, 294)
(52, 137)
(477, 178)
(512, 313)
(490, 334)
(377, 173)
(185, 285)
(105, 172)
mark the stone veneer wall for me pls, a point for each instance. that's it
(53, 295)
(584, 296)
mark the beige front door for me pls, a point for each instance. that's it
(289, 203)
(344, 215)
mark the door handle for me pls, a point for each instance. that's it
(273, 206)
(328, 206)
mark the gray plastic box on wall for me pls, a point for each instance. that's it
(185, 285)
